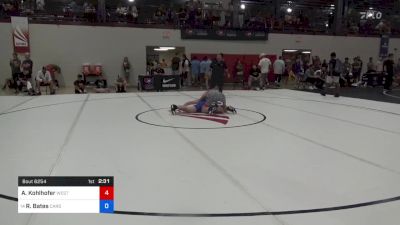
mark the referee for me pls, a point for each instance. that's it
(219, 69)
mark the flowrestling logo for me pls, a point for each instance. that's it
(163, 118)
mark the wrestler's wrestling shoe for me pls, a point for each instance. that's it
(231, 109)
(212, 109)
(173, 109)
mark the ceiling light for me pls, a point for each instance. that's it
(167, 48)
(160, 49)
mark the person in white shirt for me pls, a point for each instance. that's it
(43, 78)
(186, 70)
(279, 69)
(264, 66)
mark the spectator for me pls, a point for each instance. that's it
(239, 72)
(163, 64)
(356, 68)
(15, 64)
(101, 85)
(254, 75)
(185, 70)
(182, 17)
(195, 66)
(315, 77)
(397, 69)
(279, 69)
(205, 71)
(388, 67)
(335, 69)
(132, 14)
(347, 71)
(264, 65)
(79, 84)
(158, 70)
(324, 64)
(27, 66)
(371, 67)
(175, 64)
(126, 66)
(298, 70)
(219, 69)
(379, 65)
(121, 84)
(40, 5)
(43, 78)
(397, 73)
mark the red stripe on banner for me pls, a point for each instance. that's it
(202, 114)
(222, 121)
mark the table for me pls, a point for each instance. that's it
(374, 78)
(159, 82)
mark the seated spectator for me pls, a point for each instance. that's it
(23, 81)
(133, 14)
(254, 75)
(315, 78)
(79, 84)
(121, 84)
(9, 82)
(43, 78)
(371, 67)
(101, 85)
(158, 70)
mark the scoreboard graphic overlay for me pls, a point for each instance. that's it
(65, 194)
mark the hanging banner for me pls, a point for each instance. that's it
(384, 46)
(20, 33)
(224, 34)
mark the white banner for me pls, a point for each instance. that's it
(20, 33)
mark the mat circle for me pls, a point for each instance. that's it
(262, 118)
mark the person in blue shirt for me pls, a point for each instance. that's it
(204, 68)
(195, 71)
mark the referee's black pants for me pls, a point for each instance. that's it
(217, 83)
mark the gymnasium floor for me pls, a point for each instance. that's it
(287, 157)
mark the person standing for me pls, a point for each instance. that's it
(357, 67)
(388, 67)
(185, 70)
(347, 71)
(203, 70)
(175, 64)
(207, 71)
(279, 69)
(264, 64)
(335, 69)
(126, 66)
(195, 66)
(15, 64)
(239, 72)
(219, 69)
